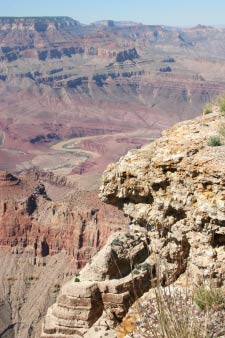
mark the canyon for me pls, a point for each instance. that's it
(75, 98)
(173, 192)
(43, 241)
(118, 83)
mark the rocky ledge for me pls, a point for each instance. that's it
(175, 187)
(173, 191)
(97, 299)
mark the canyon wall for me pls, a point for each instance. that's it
(43, 242)
(71, 80)
(175, 189)
(173, 193)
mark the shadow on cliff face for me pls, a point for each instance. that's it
(6, 325)
(31, 205)
(44, 248)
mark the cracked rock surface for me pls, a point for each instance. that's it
(175, 187)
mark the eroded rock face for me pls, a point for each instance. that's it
(173, 192)
(7, 179)
(78, 225)
(27, 290)
(96, 301)
(98, 80)
(43, 242)
(175, 188)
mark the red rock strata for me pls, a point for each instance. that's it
(28, 218)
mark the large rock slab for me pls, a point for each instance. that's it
(96, 301)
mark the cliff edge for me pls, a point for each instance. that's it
(175, 187)
(173, 191)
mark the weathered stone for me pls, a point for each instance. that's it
(107, 287)
(175, 188)
(173, 192)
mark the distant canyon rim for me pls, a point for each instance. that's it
(108, 87)
(75, 98)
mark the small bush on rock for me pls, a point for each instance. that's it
(214, 141)
(222, 130)
(170, 313)
(209, 298)
(222, 104)
(207, 109)
(116, 242)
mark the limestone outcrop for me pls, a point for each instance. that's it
(97, 299)
(173, 192)
(175, 188)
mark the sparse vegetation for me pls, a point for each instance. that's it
(77, 280)
(170, 313)
(208, 298)
(222, 104)
(56, 288)
(222, 130)
(169, 60)
(165, 69)
(207, 109)
(214, 141)
(116, 242)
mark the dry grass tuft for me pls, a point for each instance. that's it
(169, 313)
(208, 108)
(208, 298)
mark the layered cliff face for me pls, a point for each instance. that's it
(79, 224)
(42, 242)
(99, 79)
(96, 300)
(173, 192)
(174, 188)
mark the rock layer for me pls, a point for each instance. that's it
(173, 192)
(79, 225)
(43, 241)
(99, 79)
(96, 301)
(175, 188)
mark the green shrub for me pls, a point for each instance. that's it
(209, 298)
(222, 104)
(76, 280)
(116, 242)
(222, 130)
(207, 109)
(214, 141)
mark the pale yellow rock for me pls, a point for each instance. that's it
(176, 187)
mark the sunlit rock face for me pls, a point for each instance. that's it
(43, 242)
(70, 80)
(175, 188)
(173, 192)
